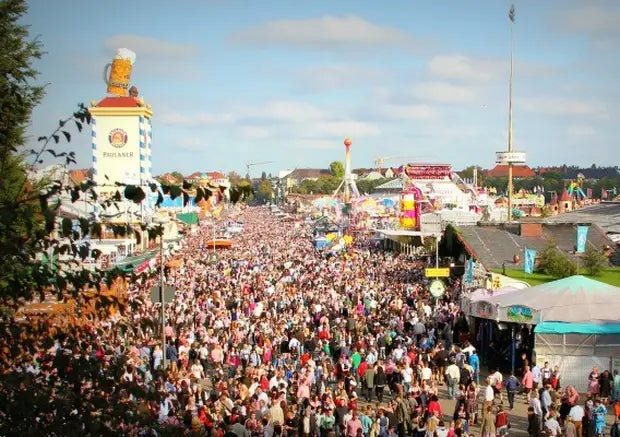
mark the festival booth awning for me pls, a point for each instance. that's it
(576, 322)
(569, 300)
(189, 218)
(137, 263)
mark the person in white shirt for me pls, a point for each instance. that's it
(553, 426)
(576, 414)
(489, 394)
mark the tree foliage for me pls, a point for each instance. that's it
(555, 263)
(337, 169)
(594, 261)
(264, 191)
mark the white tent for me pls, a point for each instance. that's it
(570, 300)
(577, 324)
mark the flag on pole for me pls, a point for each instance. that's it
(511, 14)
(469, 271)
(528, 262)
(582, 238)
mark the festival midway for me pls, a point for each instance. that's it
(345, 273)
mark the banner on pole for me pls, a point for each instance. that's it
(582, 238)
(469, 271)
(528, 262)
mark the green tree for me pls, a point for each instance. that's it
(555, 263)
(337, 169)
(177, 175)
(234, 178)
(264, 191)
(594, 261)
(20, 217)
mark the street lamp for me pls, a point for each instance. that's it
(161, 222)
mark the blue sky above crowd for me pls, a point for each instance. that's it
(233, 82)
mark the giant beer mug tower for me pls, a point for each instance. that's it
(121, 139)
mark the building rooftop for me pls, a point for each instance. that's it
(120, 102)
(606, 215)
(494, 245)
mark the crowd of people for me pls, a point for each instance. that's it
(274, 338)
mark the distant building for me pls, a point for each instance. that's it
(299, 175)
(168, 179)
(518, 171)
(373, 176)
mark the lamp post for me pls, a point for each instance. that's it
(161, 295)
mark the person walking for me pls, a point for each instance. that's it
(380, 382)
(487, 425)
(533, 423)
(453, 376)
(512, 385)
(474, 362)
(528, 383)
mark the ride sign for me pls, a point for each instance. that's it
(504, 158)
(437, 272)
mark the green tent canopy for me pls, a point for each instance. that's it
(189, 218)
(130, 263)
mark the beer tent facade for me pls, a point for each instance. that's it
(577, 324)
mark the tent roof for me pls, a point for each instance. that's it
(577, 328)
(189, 218)
(572, 299)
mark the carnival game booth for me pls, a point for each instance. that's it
(576, 324)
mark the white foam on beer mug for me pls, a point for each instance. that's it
(126, 54)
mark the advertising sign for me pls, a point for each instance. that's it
(520, 314)
(117, 154)
(439, 272)
(504, 158)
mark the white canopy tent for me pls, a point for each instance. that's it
(576, 322)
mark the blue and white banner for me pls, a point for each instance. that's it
(469, 271)
(528, 262)
(582, 238)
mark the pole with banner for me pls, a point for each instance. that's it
(528, 262)
(582, 238)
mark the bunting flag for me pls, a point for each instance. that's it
(528, 262)
(582, 238)
(469, 271)
(511, 13)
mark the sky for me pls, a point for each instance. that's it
(235, 82)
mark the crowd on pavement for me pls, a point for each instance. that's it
(276, 338)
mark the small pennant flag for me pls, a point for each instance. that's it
(511, 14)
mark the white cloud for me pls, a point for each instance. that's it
(148, 46)
(442, 92)
(339, 129)
(461, 67)
(407, 112)
(305, 143)
(255, 132)
(590, 19)
(196, 119)
(338, 76)
(326, 33)
(580, 131)
(473, 70)
(281, 110)
(564, 106)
